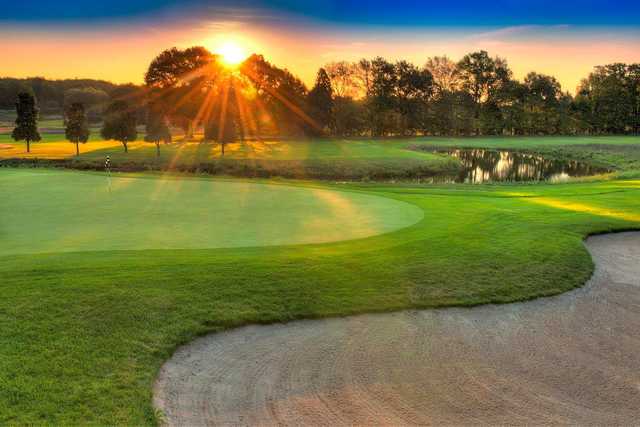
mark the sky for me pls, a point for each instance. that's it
(116, 40)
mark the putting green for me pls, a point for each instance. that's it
(64, 211)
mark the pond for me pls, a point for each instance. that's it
(480, 166)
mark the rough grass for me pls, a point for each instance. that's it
(83, 334)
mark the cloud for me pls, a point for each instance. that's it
(519, 32)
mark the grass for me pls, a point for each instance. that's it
(332, 159)
(618, 153)
(318, 159)
(130, 212)
(82, 334)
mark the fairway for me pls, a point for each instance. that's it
(83, 334)
(72, 211)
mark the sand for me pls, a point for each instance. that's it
(574, 358)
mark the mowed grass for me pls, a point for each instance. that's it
(54, 144)
(308, 159)
(68, 211)
(83, 334)
(333, 159)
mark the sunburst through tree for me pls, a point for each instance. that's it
(228, 94)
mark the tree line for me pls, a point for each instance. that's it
(475, 96)
(192, 88)
(55, 95)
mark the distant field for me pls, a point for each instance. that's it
(316, 159)
(335, 159)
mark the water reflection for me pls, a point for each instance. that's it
(480, 166)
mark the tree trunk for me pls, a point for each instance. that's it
(158, 148)
(28, 146)
(190, 130)
(77, 149)
(223, 149)
(126, 149)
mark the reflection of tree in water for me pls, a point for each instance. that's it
(490, 165)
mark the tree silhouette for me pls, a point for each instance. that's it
(120, 124)
(179, 80)
(77, 127)
(157, 129)
(27, 120)
(320, 102)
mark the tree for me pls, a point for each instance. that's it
(281, 95)
(157, 129)
(543, 95)
(93, 100)
(381, 101)
(229, 132)
(179, 80)
(77, 127)
(481, 76)
(345, 82)
(27, 120)
(609, 99)
(451, 113)
(320, 102)
(349, 116)
(223, 124)
(120, 123)
(414, 87)
(446, 76)
(632, 83)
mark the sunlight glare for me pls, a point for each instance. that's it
(231, 53)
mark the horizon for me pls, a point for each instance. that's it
(123, 37)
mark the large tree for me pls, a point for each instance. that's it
(120, 123)
(381, 79)
(281, 97)
(224, 118)
(608, 99)
(481, 76)
(345, 81)
(414, 87)
(320, 103)
(179, 81)
(543, 94)
(77, 126)
(27, 120)
(156, 128)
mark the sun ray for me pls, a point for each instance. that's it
(231, 54)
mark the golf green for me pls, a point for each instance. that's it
(64, 211)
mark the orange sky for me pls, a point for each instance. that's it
(121, 53)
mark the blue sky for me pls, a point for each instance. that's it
(373, 12)
(116, 39)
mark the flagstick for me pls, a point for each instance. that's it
(107, 166)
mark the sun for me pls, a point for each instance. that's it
(231, 53)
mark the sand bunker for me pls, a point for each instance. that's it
(567, 359)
